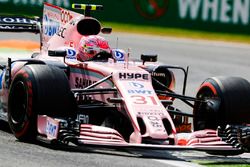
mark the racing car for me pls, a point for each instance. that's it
(110, 100)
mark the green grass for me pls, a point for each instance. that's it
(179, 33)
(222, 164)
(226, 165)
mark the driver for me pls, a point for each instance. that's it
(91, 45)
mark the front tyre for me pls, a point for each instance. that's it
(231, 99)
(37, 89)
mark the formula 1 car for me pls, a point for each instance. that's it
(109, 100)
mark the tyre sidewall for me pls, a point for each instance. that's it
(25, 129)
(211, 87)
(234, 96)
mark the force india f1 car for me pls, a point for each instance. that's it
(110, 101)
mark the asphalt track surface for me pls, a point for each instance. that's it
(206, 59)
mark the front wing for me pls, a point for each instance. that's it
(56, 130)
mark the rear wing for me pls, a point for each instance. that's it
(20, 24)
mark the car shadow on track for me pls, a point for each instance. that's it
(189, 156)
(4, 126)
(139, 153)
(201, 158)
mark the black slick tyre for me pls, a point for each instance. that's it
(233, 95)
(37, 89)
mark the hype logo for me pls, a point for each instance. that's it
(151, 9)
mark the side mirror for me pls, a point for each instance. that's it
(106, 30)
(57, 53)
(148, 58)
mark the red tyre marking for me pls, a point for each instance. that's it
(210, 86)
(29, 107)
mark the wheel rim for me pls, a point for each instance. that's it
(19, 103)
(204, 118)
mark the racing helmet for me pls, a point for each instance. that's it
(91, 45)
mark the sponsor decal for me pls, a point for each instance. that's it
(184, 128)
(61, 32)
(136, 85)
(133, 76)
(1, 78)
(51, 129)
(83, 82)
(151, 9)
(16, 20)
(51, 27)
(147, 113)
(65, 16)
(155, 121)
(7, 27)
(7, 23)
(119, 54)
(71, 44)
(147, 92)
(222, 11)
(84, 119)
(158, 74)
(71, 54)
(14, 27)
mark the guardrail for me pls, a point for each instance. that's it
(230, 16)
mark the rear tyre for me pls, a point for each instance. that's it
(232, 97)
(37, 89)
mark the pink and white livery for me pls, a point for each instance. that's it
(105, 99)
